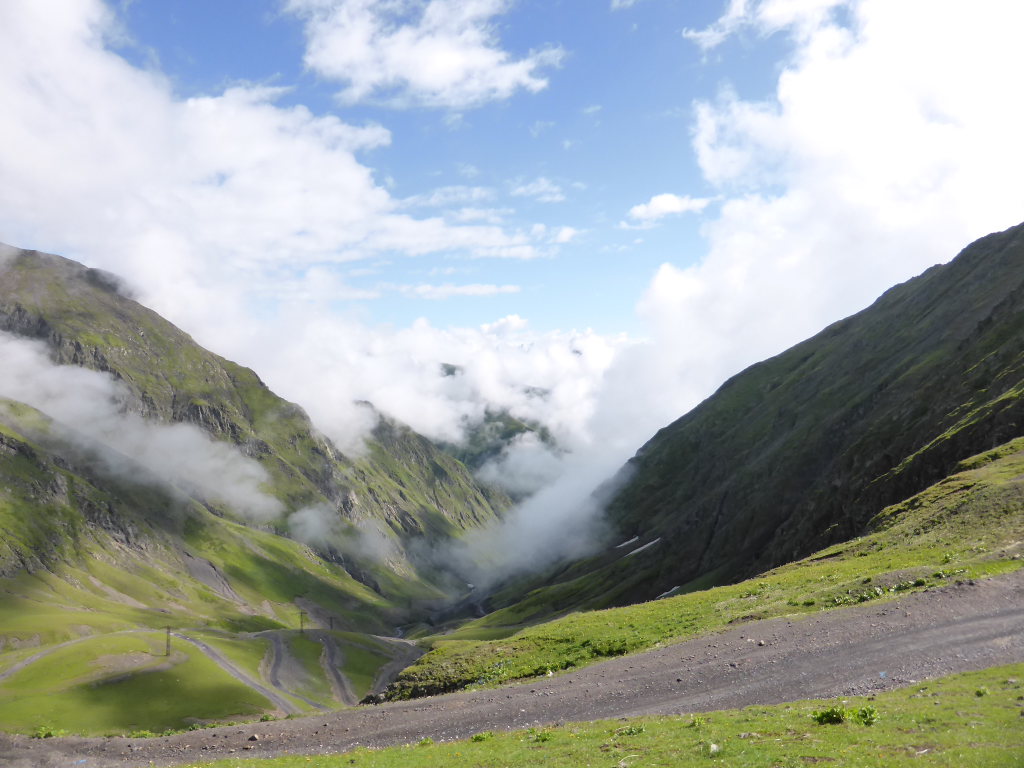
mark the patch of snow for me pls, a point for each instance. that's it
(638, 550)
(627, 543)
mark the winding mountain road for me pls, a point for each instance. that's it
(849, 651)
(217, 657)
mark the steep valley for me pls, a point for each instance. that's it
(879, 461)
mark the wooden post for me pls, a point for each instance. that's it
(331, 620)
(302, 616)
(168, 651)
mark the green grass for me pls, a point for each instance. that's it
(121, 683)
(314, 683)
(969, 525)
(246, 653)
(361, 665)
(938, 723)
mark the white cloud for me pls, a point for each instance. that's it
(803, 18)
(539, 126)
(88, 410)
(441, 53)
(445, 196)
(448, 290)
(867, 166)
(468, 214)
(326, 362)
(203, 203)
(738, 14)
(619, 4)
(564, 235)
(541, 188)
(667, 204)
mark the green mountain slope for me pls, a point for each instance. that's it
(802, 450)
(410, 490)
(968, 525)
(97, 567)
(103, 551)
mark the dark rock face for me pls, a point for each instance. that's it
(802, 450)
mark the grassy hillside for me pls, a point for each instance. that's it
(99, 559)
(802, 450)
(961, 721)
(968, 525)
(410, 489)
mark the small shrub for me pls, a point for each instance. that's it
(426, 741)
(830, 716)
(983, 691)
(141, 733)
(697, 722)
(482, 736)
(866, 715)
(539, 735)
(267, 718)
(630, 730)
(48, 732)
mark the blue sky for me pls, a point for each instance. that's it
(609, 130)
(616, 204)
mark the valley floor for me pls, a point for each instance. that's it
(850, 651)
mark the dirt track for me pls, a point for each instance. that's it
(865, 648)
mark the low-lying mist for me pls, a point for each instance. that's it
(89, 409)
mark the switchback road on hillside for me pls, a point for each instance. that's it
(849, 651)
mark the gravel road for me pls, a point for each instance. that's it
(856, 650)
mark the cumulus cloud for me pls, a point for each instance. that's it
(866, 166)
(553, 378)
(803, 17)
(564, 235)
(452, 195)
(205, 203)
(448, 290)
(658, 207)
(440, 53)
(541, 188)
(88, 409)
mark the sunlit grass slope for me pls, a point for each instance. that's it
(964, 721)
(88, 555)
(123, 683)
(969, 525)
